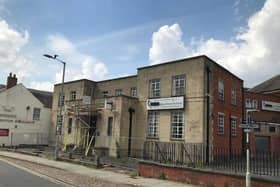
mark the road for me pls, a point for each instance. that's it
(11, 176)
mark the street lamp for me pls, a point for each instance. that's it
(58, 125)
(248, 130)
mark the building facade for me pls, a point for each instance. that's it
(193, 100)
(24, 115)
(266, 136)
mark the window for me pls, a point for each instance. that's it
(272, 129)
(61, 100)
(153, 123)
(177, 125)
(69, 125)
(155, 88)
(59, 124)
(258, 129)
(255, 104)
(105, 93)
(178, 85)
(110, 126)
(233, 96)
(248, 103)
(73, 95)
(221, 123)
(36, 113)
(221, 90)
(118, 92)
(133, 92)
(233, 126)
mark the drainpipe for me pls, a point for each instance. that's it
(207, 113)
(131, 111)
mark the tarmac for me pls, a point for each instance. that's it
(99, 174)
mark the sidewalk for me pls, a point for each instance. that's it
(98, 174)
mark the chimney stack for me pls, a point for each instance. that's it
(11, 80)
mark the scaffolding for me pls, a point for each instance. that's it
(85, 126)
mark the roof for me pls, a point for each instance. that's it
(79, 80)
(191, 58)
(43, 96)
(268, 85)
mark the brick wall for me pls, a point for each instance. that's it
(200, 177)
(226, 107)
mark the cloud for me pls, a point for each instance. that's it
(167, 44)
(42, 85)
(78, 65)
(11, 45)
(253, 54)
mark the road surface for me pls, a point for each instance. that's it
(11, 176)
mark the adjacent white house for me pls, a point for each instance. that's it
(25, 115)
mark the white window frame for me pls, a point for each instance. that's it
(233, 126)
(73, 95)
(234, 96)
(153, 124)
(118, 92)
(221, 123)
(177, 125)
(255, 104)
(221, 90)
(36, 113)
(154, 88)
(133, 92)
(178, 85)
(61, 99)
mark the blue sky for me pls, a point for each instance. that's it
(116, 37)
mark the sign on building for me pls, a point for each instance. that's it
(270, 106)
(165, 103)
(4, 132)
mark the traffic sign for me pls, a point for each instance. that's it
(249, 126)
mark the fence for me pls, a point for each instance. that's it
(194, 155)
(22, 138)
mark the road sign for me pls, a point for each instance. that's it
(247, 130)
(249, 126)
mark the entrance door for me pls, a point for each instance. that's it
(262, 143)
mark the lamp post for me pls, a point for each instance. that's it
(59, 123)
(248, 130)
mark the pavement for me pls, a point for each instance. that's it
(11, 176)
(98, 174)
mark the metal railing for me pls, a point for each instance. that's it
(220, 158)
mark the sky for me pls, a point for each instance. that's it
(103, 39)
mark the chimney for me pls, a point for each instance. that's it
(11, 80)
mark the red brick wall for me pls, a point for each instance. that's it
(227, 108)
(262, 115)
(202, 178)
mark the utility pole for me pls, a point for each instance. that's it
(59, 123)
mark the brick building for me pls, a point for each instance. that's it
(265, 98)
(192, 100)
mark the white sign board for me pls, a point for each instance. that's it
(270, 106)
(165, 103)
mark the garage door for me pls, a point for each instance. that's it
(262, 143)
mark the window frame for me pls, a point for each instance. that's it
(219, 125)
(221, 95)
(152, 91)
(175, 128)
(73, 95)
(59, 123)
(118, 92)
(133, 91)
(36, 116)
(61, 99)
(182, 90)
(233, 130)
(153, 124)
(234, 96)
